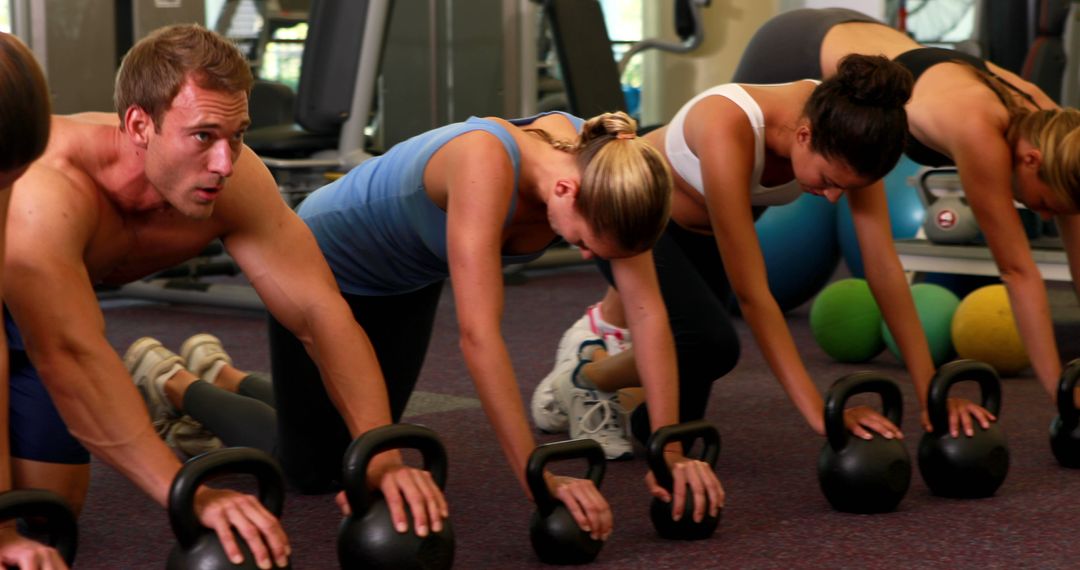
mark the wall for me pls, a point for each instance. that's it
(669, 80)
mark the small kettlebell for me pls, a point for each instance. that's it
(198, 547)
(555, 535)
(963, 467)
(1065, 428)
(367, 538)
(60, 526)
(949, 218)
(858, 475)
(660, 512)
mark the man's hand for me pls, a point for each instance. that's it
(223, 510)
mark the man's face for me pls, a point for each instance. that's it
(199, 142)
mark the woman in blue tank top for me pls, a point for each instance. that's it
(736, 147)
(460, 202)
(1007, 138)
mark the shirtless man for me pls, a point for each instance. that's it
(115, 198)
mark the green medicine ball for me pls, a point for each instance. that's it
(846, 321)
(935, 306)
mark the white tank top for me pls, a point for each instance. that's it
(687, 165)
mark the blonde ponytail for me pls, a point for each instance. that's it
(625, 183)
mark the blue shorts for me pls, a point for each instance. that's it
(38, 433)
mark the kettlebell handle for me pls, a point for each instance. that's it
(63, 531)
(573, 449)
(959, 371)
(892, 403)
(1070, 416)
(238, 460)
(925, 195)
(686, 433)
(374, 441)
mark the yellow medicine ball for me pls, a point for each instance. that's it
(983, 329)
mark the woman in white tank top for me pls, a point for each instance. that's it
(734, 147)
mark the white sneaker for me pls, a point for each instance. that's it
(204, 356)
(150, 365)
(547, 414)
(616, 339)
(598, 416)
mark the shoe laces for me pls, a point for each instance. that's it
(602, 413)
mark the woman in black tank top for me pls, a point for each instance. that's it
(1008, 139)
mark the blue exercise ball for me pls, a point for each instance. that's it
(798, 241)
(906, 213)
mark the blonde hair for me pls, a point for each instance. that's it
(24, 105)
(1056, 133)
(625, 183)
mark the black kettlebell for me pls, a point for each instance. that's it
(367, 538)
(1065, 429)
(59, 526)
(858, 475)
(199, 547)
(963, 467)
(660, 512)
(555, 535)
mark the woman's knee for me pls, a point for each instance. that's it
(706, 355)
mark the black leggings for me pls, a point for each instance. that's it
(311, 437)
(243, 419)
(696, 292)
(788, 46)
(312, 434)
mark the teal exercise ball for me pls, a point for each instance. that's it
(846, 321)
(935, 306)
(798, 242)
(906, 213)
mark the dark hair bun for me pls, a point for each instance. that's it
(873, 80)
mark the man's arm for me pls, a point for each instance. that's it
(50, 296)
(281, 258)
(52, 300)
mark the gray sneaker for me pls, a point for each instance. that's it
(150, 365)
(596, 415)
(204, 356)
(190, 438)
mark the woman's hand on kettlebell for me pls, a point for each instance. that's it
(223, 510)
(401, 483)
(703, 483)
(963, 413)
(588, 507)
(17, 551)
(863, 422)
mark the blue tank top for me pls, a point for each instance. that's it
(377, 227)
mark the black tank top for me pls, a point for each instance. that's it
(918, 61)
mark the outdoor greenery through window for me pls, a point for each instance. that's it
(624, 24)
(5, 17)
(283, 54)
